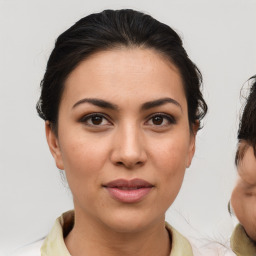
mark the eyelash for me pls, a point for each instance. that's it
(170, 119)
(86, 118)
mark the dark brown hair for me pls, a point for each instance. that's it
(247, 125)
(107, 30)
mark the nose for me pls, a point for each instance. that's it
(128, 148)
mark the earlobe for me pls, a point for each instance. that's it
(191, 153)
(53, 144)
(192, 146)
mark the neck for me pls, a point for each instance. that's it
(93, 238)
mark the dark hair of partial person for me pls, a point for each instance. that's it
(108, 30)
(247, 125)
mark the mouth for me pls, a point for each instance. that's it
(128, 191)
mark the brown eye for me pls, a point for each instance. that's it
(96, 120)
(157, 120)
(161, 120)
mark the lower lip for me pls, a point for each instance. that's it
(128, 196)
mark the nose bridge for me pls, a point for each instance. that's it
(131, 140)
(129, 147)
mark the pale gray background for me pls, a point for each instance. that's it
(220, 37)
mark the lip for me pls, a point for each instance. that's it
(128, 191)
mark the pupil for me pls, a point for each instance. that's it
(157, 120)
(97, 120)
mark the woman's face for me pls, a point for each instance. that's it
(244, 195)
(123, 137)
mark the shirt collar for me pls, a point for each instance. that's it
(240, 243)
(54, 243)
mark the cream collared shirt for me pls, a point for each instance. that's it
(54, 243)
(241, 244)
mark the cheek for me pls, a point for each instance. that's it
(247, 216)
(83, 161)
(170, 156)
(170, 164)
(237, 203)
(244, 207)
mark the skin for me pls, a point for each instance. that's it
(126, 143)
(243, 198)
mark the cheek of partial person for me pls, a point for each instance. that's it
(243, 198)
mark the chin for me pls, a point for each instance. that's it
(250, 228)
(130, 221)
(251, 234)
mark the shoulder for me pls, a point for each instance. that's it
(197, 246)
(30, 250)
(240, 243)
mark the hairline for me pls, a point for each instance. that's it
(122, 46)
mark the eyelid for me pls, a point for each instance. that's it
(171, 119)
(86, 117)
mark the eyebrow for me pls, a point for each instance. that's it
(160, 102)
(145, 106)
(97, 102)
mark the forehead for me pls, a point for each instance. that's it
(124, 72)
(247, 165)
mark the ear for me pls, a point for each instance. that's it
(192, 143)
(54, 146)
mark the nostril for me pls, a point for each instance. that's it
(129, 164)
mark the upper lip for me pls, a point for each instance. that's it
(134, 183)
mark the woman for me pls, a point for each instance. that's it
(122, 105)
(243, 200)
